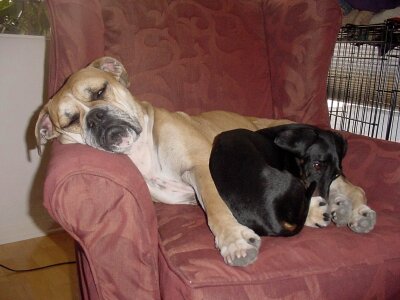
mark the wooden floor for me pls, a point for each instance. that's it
(58, 283)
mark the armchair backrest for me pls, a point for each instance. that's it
(266, 58)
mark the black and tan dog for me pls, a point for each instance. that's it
(171, 149)
(267, 177)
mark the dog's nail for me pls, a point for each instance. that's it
(252, 240)
(319, 226)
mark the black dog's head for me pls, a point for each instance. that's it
(319, 153)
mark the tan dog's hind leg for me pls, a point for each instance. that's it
(237, 243)
(348, 205)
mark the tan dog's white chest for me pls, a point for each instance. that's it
(163, 183)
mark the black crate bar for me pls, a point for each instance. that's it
(363, 81)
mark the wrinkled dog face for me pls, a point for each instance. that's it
(94, 107)
(111, 129)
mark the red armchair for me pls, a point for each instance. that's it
(259, 57)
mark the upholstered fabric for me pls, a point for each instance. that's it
(76, 38)
(259, 57)
(375, 165)
(331, 263)
(192, 55)
(299, 34)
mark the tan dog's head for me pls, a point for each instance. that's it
(94, 107)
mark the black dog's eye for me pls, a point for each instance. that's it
(317, 165)
(99, 94)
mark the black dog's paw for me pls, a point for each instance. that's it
(341, 209)
(363, 219)
(318, 213)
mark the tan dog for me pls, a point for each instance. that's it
(171, 149)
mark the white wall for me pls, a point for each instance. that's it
(22, 63)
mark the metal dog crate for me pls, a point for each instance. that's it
(363, 81)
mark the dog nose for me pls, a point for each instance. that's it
(99, 115)
(95, 118)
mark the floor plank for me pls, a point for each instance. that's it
(58, 283)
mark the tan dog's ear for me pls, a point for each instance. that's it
(44, 130)
(113, 66)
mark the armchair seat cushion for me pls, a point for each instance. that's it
(335, 262)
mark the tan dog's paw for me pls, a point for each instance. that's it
(240, 247)
(318, 213)
(341, 209)
(363, 219)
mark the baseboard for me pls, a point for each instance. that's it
(27, 229)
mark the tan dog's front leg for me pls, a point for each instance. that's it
(348, 205)
(318, 213)
(237, 243)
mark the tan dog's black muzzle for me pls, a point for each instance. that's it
(108, 128)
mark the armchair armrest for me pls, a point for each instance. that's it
(300, 38)
(102, 201)
(374, 165)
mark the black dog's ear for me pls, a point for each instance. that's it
(296, 140)
(341, 144)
